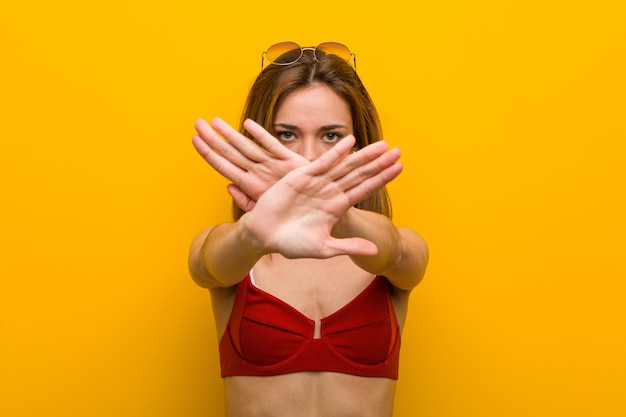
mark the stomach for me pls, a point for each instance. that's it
(309, 394)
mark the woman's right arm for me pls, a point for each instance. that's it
(222, 255)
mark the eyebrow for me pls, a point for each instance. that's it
(321, 129)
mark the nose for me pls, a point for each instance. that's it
(311, 148)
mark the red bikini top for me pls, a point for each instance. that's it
(266, 336)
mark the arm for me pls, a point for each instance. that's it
(222, 255)
(402, 254)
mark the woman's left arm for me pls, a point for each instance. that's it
(402, 254)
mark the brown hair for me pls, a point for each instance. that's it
(276, 82)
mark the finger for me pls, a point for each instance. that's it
(328, 159)
(357, 160)
(353, 246)
(269, 142)
(362, 173)
(369, 186)
(224, 148)
(244, 145)
(240, 198)
(222, 165)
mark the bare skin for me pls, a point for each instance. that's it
(309, 394)
(307, 244)
(317, 289)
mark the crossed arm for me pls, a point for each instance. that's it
(301, 209)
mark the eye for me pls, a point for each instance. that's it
(331, 137)
(285, 136)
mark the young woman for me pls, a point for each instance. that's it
(310, 283)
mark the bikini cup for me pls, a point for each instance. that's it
(271, 333)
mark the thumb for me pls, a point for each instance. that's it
(353, 246)
(240, 198)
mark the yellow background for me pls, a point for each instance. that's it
(511, 118)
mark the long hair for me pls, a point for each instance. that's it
(276, 82)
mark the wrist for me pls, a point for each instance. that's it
(248, 240)
(342, 229)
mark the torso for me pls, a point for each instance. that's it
(316, 288)
(309, 394)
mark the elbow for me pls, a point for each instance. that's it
(410, 269)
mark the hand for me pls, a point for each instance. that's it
(296, 215)
(251, 168)
(254, 169)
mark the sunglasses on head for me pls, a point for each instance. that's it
(287, 53)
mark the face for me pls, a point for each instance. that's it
(311, 120)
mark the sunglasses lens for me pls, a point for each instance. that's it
(283, 53)
(334, 48)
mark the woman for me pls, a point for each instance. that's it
(310, 283)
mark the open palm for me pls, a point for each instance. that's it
(295, 216)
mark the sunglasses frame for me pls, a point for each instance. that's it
(307, 48)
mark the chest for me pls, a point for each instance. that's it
(316, 288)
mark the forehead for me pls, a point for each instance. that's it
(314, 102)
